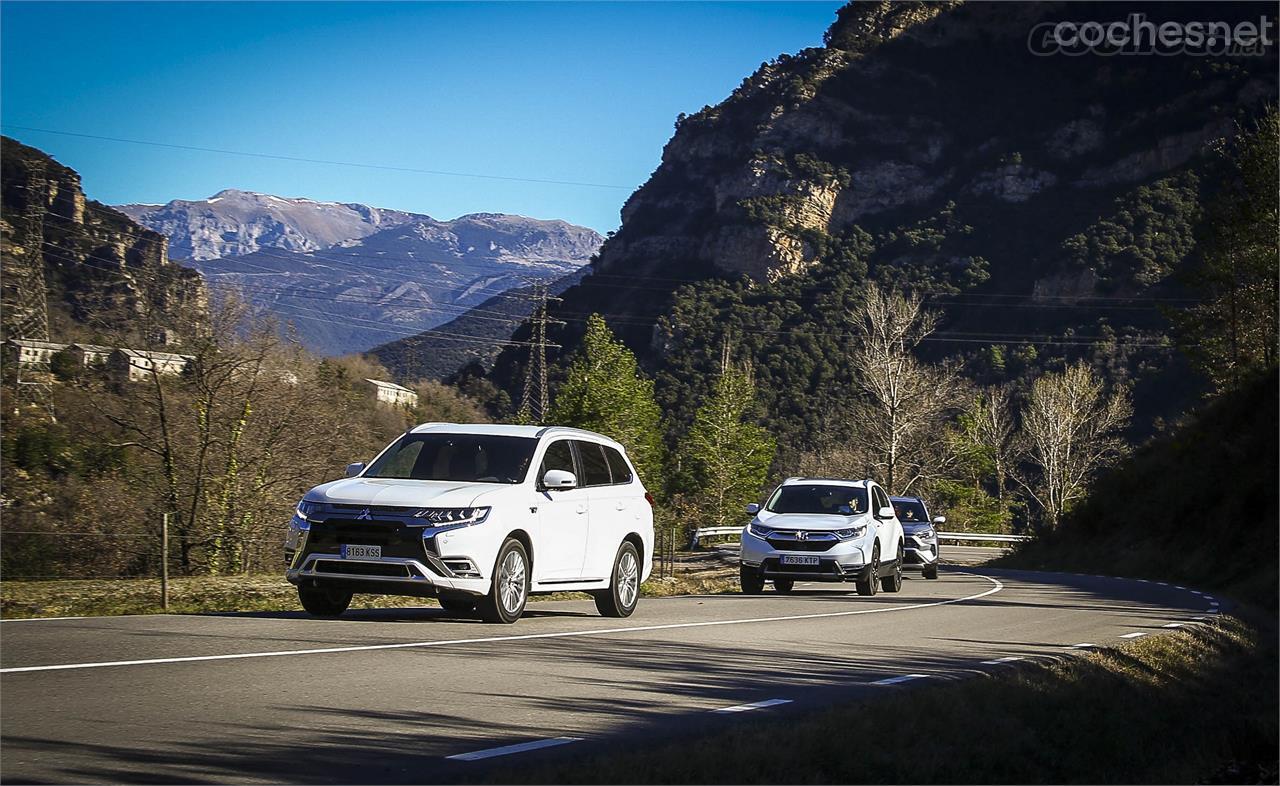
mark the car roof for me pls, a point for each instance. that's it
(827, 481)
(509, 430)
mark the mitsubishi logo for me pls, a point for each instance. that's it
(802, 535)
(364, 515)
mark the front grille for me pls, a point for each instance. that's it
(362, 568)
(396, 539)
(801, 545)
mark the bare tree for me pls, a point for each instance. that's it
(907, 399)
(1070, 429)
(991, 422)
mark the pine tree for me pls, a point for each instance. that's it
(726, 455)
(605, 392)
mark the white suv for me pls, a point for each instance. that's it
(480, 517)
(822, 529)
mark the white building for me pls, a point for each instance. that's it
(136, 365)
(391, 393)
(29, 353)
(91, 355)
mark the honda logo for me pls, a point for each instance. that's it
(365, 515)
(802, 535)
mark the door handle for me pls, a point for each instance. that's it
(582, 507)
(621, 504)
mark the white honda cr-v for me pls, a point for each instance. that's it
(480, 517)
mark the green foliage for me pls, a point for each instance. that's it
(725, 457)
(970, 507)
(1145, 239)
(936, 254)
(605, 392)
(1232, 334)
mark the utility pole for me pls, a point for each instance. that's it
(26, 306)
(533, 399)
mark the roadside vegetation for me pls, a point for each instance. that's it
(1196, 706)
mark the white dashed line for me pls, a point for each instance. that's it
(507, 750)
(757, 705)
(997, 661)
(1134, 635)
(1172, 625)
(903, 678)
(1162, 583)
(1083, 646)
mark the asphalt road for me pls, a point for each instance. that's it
(391, 695)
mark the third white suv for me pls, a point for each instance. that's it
(479, 516)
(823, 529)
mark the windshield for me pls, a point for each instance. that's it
(828, 500)
(910, 511)
(472, 458)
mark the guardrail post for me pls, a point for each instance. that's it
(164, 562)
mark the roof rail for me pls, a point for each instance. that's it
(571, 430)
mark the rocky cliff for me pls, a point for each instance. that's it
(101, 271)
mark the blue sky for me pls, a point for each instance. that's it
(563, 91)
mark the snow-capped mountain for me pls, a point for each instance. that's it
(233, 222)
(350, 277)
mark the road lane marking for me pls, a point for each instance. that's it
(507, 750)
(1134, 635)
(1083, 646)
(757, 705)
(898, 680)
(1172, 625)
(520, 637)
(997, 661)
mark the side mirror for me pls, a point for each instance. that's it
(885, 513)
(559, 479)
(355, 469)
(753, 508)
(939, 519)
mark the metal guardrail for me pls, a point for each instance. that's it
(720, 532)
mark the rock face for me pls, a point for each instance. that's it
(97, 266)
(910, 108)
(233, 223)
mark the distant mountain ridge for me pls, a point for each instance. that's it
(349, 276)
(234, 222)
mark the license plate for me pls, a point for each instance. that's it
(361, 552)
(788, 559)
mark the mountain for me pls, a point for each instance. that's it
(97, 270)
(475, 337)
(403, 280)
(233, 222)
(348, 276)
(1043, 203)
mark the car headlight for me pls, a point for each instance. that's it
(759, 530)
(851, 533)
(306, 510)
(923, 534)
(452, 517)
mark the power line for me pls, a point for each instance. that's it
(300, 159)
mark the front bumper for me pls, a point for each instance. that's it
(411, 562)
(842, 561)
(919, 553)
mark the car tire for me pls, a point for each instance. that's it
(510, 587)
(324, 601)
(783, 586)
(751, 580)
(893, 582)
(624, 586)
(930, 571)
(458, 605)
(871, 582)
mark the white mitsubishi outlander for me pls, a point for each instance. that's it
(480, 517)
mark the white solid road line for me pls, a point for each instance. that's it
(520, 637)
(1172, 625)
(1134, 635)
(903, 678)
(1083, 646)
(506, 750)
(997, 661)
(757, 705)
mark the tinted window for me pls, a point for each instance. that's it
(819, 499)
(617, 466)
(595, 468)
(559, 455)
(474, 458)
(881, 500)
(910, 511)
